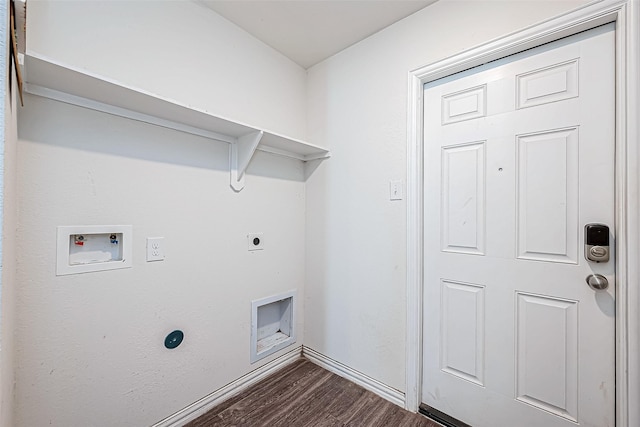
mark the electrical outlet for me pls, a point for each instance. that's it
(255, 241)
(155, 249)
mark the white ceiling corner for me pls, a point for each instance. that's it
(309, 31)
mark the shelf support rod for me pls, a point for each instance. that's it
(240, 153)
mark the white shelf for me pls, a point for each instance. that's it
(45, 77)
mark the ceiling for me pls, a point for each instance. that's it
(309, 31)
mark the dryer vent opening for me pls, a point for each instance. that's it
(272, 324)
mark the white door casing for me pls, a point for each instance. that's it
(626, 16)
(519, 155)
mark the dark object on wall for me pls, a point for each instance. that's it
(174, 339)
(13, 43)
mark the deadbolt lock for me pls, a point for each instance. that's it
(596, 242)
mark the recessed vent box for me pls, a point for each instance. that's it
(272, 324)
(82, 249)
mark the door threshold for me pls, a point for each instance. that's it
(440, 417)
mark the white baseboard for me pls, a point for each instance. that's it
(205, 404)
(373, 385)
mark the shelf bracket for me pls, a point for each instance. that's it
(240, 154)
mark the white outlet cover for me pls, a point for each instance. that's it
(255, 242)
(155, 249)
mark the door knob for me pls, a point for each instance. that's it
(597, 282)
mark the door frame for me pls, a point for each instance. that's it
(626, 15)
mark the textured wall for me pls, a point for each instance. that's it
(179, 50)
(90, 346)
(356, 237)
(8, 219)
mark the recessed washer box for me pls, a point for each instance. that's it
(272, 324)
(86, 248)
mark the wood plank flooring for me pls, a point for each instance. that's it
(305, 395)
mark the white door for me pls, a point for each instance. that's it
(519, 157)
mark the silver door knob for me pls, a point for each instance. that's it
(597, 282)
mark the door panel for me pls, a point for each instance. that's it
(463, 331)
(547, 196)
(463, 198)
(464, 105)
(547, 370)
(519, 156)
(550, 84)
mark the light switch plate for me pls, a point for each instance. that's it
(155, 249)
(396, 190)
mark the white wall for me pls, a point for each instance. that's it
(8, 282)
(90, 346)
(177, 49)
(357, 106)
(8, 219)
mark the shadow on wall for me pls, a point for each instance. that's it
(118, 136)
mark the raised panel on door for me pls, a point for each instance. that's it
(463, 105)
(547, 369)
(462, 191)
(462, 334)
(550, 84)
(547, 196)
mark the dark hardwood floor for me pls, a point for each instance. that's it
(304, 394)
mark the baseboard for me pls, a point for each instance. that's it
(205, 404)
(373, 385)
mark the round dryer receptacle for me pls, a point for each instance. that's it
(174, 339)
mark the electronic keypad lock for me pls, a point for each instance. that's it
(596, 242)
